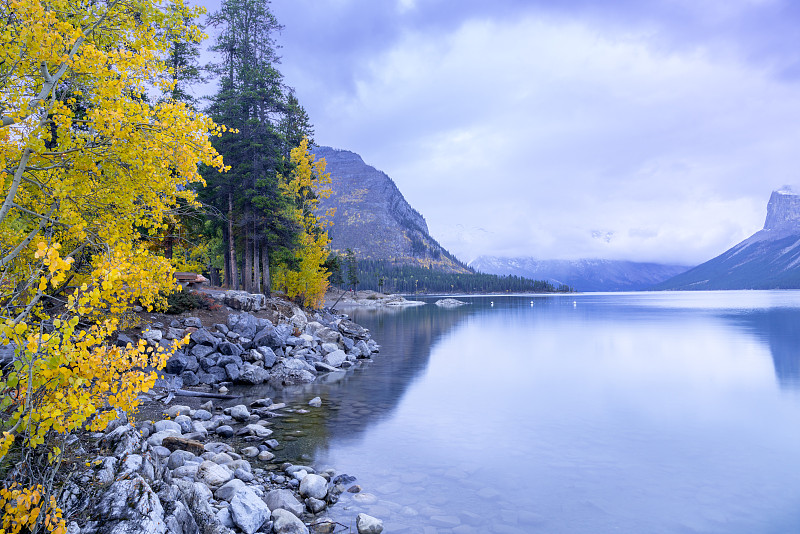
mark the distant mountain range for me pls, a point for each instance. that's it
(582, 275)
(374, 219)
(769, 259)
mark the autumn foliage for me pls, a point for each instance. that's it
(90, 167)
(305, 277)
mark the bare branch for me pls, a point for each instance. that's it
(14, 253)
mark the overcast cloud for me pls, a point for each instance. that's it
(649, 131)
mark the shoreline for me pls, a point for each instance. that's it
(191, 465)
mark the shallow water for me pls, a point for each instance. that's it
(595, 413)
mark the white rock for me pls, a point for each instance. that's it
(178, 409)
(335, 358)
(316, 402)
(258, 430)
(366, 524)
(165, 424)
(249, 512)
(314, 486)
(156, 439)
(284, 499)
(229, 489)
(213, 475)
(285, 522)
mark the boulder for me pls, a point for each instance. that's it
(354, 330)
(314, 486)
(325, 368)
(243, 324)
(285, 522)
(213, 475)
(122, 440)
(240, 412)
(152, 335)
(178, 459)
(229, 349)
(362, 350)
(326, 335)
(158, 438)
(316, 402)
(232, 371)
(224, 431)
(281, 376)
(248, 511)
(201, 415)
(204, 337)
(315, 506)
(251, 374)
(258, 430)
(283, 499)
(268, 356)
(224, 360)
(177, 363)
(366, 524)
(166, 424)
(201, 351)
(177, 409)
(178, 443)
(335, 358)
(192, 322)
(180, 521)
(190, 378)
(327, 348)
(130, 506)
(227, 491)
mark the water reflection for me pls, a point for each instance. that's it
(780, 330)
(588, 413)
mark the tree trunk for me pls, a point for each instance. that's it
(248, 258)
(265, 269)
(227, 253)
(232, 248)
(168, 243)
(257, 285)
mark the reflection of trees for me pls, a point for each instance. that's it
(367, 395)
(780, 329)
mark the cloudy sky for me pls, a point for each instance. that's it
(620, 129)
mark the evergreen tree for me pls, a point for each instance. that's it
(250, 101)
(352, 268)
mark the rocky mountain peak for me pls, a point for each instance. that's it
(372, 217)
(783, 211)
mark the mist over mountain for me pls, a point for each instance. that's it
(374, 219)
(769, 259)
(584, 274)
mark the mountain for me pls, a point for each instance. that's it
(582, 275)
(769, 259)
(374, 219)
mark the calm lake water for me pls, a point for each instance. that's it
(593, 413)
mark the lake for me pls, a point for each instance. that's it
(588, 413)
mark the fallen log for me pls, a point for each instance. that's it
(187, 393)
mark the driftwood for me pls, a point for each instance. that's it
(187, 393)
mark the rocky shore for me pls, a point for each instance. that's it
(369, 299)
(210, 469)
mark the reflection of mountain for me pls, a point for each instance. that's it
(780, 328)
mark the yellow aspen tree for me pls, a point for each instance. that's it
(89, 166)
(305, 186)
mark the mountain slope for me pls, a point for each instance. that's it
(374, 219)
(583, 275)
(769, 259)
